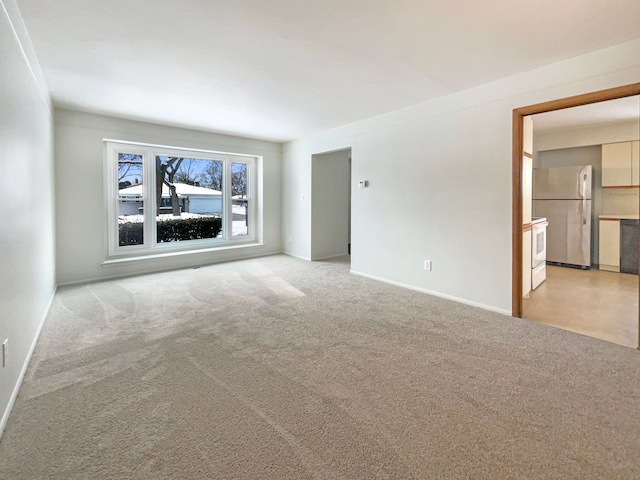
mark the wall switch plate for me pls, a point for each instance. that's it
(5, 352)
(427, 265)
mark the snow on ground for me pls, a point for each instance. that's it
(161, 218)
(239, 226)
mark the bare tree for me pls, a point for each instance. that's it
(128, 163)
(187, 172)
(212, 175)
(165, 173)
(239, 180)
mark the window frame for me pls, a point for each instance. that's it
(150, 245)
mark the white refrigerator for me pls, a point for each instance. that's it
(563, 196)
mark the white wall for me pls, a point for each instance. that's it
(440, 180)
(80, 198)
(27, 269)
(585, 136)
(620, 201)
(330, 205)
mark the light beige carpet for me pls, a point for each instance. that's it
(276, 368)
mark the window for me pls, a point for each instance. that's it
(163, 199)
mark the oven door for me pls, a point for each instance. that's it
(538, 243)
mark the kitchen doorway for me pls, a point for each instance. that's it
(559, 276)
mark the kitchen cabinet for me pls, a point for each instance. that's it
(621, 164)
(610, 245)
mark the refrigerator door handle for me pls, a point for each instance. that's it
(584, 199)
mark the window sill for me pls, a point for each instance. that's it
(114, 262)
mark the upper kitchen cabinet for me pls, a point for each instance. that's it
(621, 164)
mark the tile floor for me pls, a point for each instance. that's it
(596, 303)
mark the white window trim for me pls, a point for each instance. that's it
(150, 248)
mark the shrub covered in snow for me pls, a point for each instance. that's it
(173, 230)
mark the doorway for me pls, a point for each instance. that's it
(518, 239)
(330, 204)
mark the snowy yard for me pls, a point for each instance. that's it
(239, 227)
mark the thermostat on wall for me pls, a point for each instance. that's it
(363, 184)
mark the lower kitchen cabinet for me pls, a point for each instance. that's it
(610, 245)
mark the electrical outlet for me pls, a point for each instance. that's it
(5, 352)
(427, 265)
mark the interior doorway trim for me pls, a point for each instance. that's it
(516, 201)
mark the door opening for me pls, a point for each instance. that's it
(518, 227)
(330, 204)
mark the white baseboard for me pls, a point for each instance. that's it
(23, 371)
(297, 256)
(435, 294)
(161, 270)
(329, 257)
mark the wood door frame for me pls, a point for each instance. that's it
(517, 152)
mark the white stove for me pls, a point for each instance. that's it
(538, 251)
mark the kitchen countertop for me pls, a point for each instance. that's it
(619, 217)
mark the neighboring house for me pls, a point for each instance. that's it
(192, 199)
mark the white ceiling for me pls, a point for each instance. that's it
(281, 69)
(620, 110)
